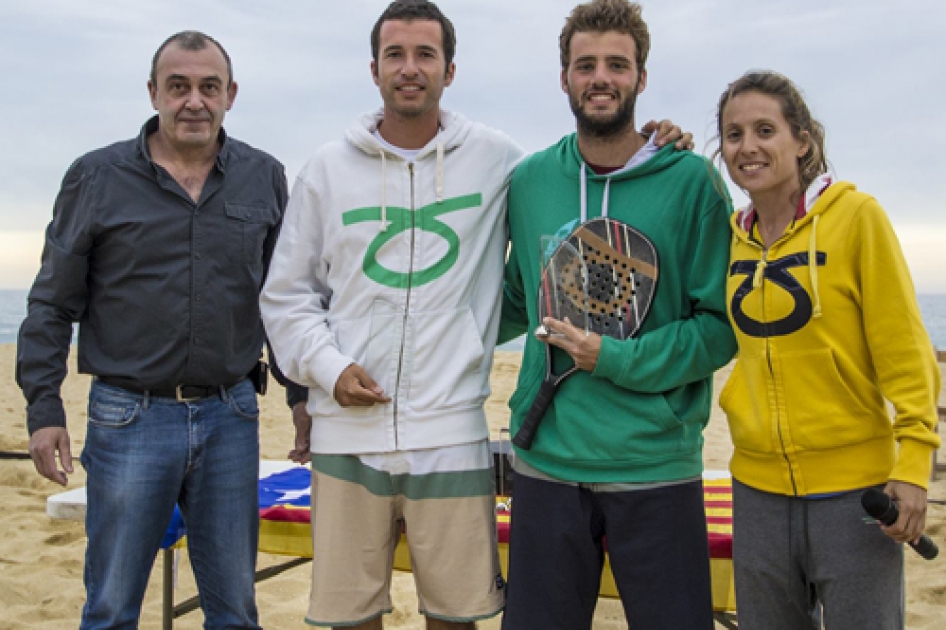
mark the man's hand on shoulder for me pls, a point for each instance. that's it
(45, 444)
(668, 132)
(355, 388)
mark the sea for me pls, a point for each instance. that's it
(13, 310)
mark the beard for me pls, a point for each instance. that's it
(607, 126)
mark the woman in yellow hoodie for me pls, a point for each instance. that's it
(829, 330)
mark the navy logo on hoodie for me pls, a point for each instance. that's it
(775, 271)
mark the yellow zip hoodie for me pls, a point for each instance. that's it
(828, 328)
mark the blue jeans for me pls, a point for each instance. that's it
(142, 456)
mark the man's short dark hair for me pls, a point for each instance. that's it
(416, 10)
(190, 40)
(601, 16)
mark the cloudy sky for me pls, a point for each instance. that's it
(75, 75)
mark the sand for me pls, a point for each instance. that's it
(41, 559)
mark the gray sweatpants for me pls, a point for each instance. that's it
(790, 552)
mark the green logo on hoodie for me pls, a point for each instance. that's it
(402, 219)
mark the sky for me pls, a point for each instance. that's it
(75, 75)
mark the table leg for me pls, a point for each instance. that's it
(167, 598)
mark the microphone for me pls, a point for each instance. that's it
(879, 506)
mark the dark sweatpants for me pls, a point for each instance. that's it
(787, 548)
(657, 544)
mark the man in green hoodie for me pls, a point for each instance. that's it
(619, 450)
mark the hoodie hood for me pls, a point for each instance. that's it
(571, 161)
(745, 217)
(574, 166)
(454, 129)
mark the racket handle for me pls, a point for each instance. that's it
(530, 425)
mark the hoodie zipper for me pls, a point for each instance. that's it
(407, 307)
(768, 360)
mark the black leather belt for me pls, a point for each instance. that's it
(180, 393)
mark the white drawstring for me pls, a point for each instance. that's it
(439, 170)
(584, 195)
(384, 189)
(583, 191)
(605, 199)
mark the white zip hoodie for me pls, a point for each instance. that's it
(396, 266)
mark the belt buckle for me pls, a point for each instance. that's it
(180, 397)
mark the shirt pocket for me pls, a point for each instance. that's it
(247, 228)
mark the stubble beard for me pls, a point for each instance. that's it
(410, 111)
(608, 127)
(612, 126)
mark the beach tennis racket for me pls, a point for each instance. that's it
(602, 277)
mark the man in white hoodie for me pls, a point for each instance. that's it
(383, 298)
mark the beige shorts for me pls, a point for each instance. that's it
(444, 500)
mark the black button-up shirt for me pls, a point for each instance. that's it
(165, 289)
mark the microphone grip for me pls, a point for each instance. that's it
(925, 547)
(879, 506)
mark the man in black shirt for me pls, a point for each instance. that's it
(158, 247)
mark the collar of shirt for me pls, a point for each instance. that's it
(151, 126)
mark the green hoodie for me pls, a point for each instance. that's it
(639, 416)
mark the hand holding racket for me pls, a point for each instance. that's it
(602, 279)
(582, 346)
